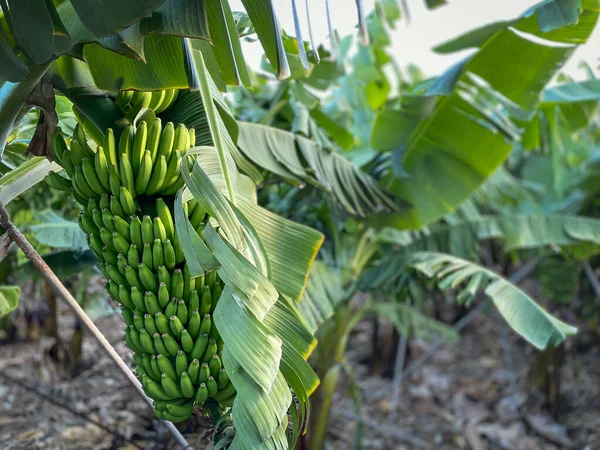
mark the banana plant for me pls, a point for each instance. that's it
(198, 241)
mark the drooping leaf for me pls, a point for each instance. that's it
(262, 15)
(12, 68)
(164, 67)
(31, 26)
(441, 164)
(57, 232)
(110, 16)
(518, 309)
(279, 152)
(9, 299)
(27, 175)
(184, 18)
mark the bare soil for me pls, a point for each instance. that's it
(466, 396)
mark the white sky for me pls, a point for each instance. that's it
(412, 42)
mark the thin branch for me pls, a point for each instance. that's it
(49, 399)
(62, 292)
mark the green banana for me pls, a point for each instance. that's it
(169, 255)
(160, 345)
(147, 229)
(58, 182)
(147, 256)
(135, 232)
(181, 363)
(215, 365)
(151, 302)
(164, 276)
(126, 174)
(185, 383)
(139, 146)
(212, 387)
(165, 365)
(110, 147)
(122, 228)
(162, 323)
(126, 141)
(101, 168)
(186, 341)
(201, 395)
(147, 278)
(153, 141)
(115, 206)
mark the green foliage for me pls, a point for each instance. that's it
(9, 299)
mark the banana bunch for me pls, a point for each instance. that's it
(127, 192)
(131, 102)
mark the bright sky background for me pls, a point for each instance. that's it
(412, 42)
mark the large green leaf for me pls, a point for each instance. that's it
(31, 25)
(573, 92)
(9, 299)
(517, 231)
(518, 309)
(57, 232)
(470, 132)
(323, 293)
(185, 18)
(12, 68)
(283, 153)
(110, 16)
(12, 99)
(27, 175)
(262, 15)
(164, 67)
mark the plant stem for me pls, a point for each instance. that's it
(62, 292)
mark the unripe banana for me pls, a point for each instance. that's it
(160, 345)
(181, 363)
(109, 255)
(203, 373)
(59, 147)
(151, 302)
(158, 229)
(185, 383)
(162, 323)
(199, 347)
(144, 173)
(101, 168)
(176, 326)
(154, 132)
(186, 341)
(107, 220)
(110, 148)
(212, 387)
(121, 263)
(113, 180)
(167, 138)
(183, 410)
(126, 142)
(122, 228)
(147, 230)
(156, 100)
(126, 173)
(147, 278)
(104, 202)
(193, 325)
(201, 395)
(147, 256)
(139, 146)
(193, 370)
(115, 206)
(168, 313)
(171, 344)
(58, 182)
(135, 232)
(158, 176)
(150, 326)
(158, 256)
(165, 365)
(167, 100)
(169, 255)
(82, 184)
